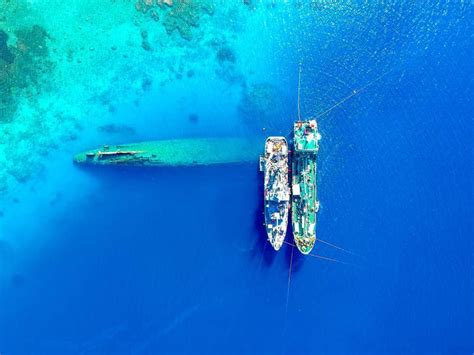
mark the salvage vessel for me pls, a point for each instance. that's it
(274, 165)
(304, 202)
(174, 152)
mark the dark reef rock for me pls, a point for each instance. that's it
(155, 16)
(116, 129)
(33, 41)
(147, 84)
(178, 15)
(193, 118)
(225, 54)
(261, 106)
(226, 59)
(105, 99)
(5, 54)
(231, 75)
(145, 43)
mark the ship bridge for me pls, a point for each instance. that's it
(306, 137)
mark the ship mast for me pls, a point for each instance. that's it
(299, 95)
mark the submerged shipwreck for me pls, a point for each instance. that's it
(280, 194)
(175, 152)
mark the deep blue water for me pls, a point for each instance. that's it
(175, 260)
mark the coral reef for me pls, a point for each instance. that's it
(28, 139)
(261, 106)
(185, 15)
(6, 56)
(145, 42)
(6, 95)
(22, 67)
(178, 15)
(146, 84)
(225, 54)
(87, 83)
(226, 60)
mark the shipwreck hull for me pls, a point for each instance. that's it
(175, 152)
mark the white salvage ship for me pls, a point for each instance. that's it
(274, 164)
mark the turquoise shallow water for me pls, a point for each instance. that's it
(175, 260)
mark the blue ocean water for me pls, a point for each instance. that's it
(144, 261)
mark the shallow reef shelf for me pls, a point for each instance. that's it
(176, 152)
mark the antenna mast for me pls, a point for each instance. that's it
(299, 90)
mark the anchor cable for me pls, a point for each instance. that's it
(337, 247)
(324, 257)
(354, 93)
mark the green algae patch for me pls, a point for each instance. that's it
(22, 67)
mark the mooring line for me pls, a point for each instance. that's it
(263, 255)
(289, 281)
(323, 257)
(338, 247)
(328, 259)
(299, 91)
(354, 93)
(287, 300)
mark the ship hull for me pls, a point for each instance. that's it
(274, 164)
(176, 152)
(304, 203)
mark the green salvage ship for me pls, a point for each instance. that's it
(175, 152)
(304, 203)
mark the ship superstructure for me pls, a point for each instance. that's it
(274, 164)
(304, 203)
